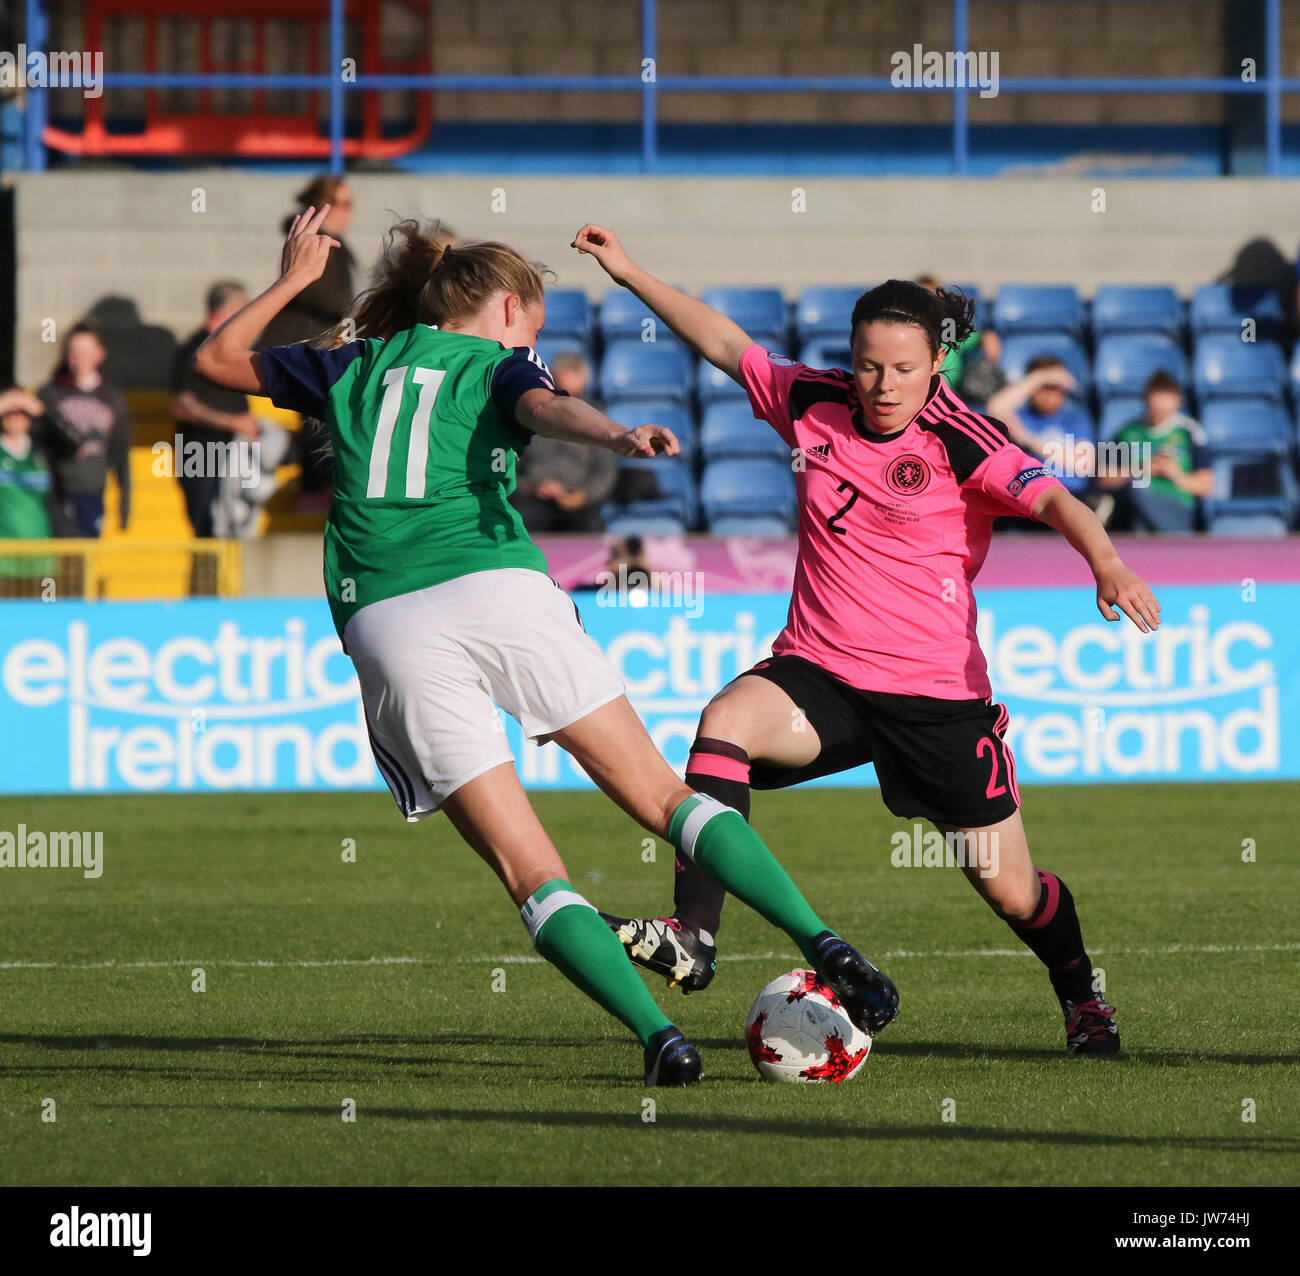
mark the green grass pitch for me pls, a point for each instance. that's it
(457, 1081)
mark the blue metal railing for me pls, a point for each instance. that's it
(648, 84)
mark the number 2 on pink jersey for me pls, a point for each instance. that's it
(993, 788)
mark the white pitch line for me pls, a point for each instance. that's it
(1169, 950)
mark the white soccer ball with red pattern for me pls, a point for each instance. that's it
(798, 1031)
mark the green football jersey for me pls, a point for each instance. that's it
(425, 447)
(24, 489)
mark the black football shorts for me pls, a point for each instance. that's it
(940, 760)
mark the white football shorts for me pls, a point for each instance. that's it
(434, 664)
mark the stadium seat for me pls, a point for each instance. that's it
(760, 311)
(758, 525)
(715, 386)
(645, 369)
(747, 487)
(635, 412)
(1124, 364)
(625, 524)
(1038, 308)
(1226, 366)
(568, 315)
(1253, 483)
(1020, 349)
(1117, 412)
(1295, 374)
(1245, 425)
(624, 316)
(826, 312)
(1118, 308)
(729, 430)
(676, 498)
(1247, 525)
(1221, 308)
(827, 353)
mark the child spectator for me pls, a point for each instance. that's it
(84, 434)
(1179, 470)
(24, 494)
(1040, 417)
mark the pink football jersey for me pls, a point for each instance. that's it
(892, 528)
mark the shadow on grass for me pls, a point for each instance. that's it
(712, 1123)
(346, 1048)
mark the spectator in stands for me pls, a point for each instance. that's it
(205, 413)
(972, 369)
(562, 485)
(1178, 470)
(1040, 418)
(24, 494)
(84, 434)
(317, 309)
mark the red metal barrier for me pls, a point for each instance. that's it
(258, 133)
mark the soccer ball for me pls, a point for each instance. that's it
(797, 1031)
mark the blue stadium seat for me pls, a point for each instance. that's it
(1124, 364)
(827, 353)
(634, 412)
(1261, 482)
(823, 312)
(760, 311)
(633, 524)
(1245, 425)
(1117, 412)
(1038, 308)
(568, 315)
(758, 525)
(625, 317)
(1137, 309)
(677, 497)
(1226, 366)
(1295, 374)
(1254, 525)
(715, 386)
(739, 488)
(645, 369)
(729, 430)
(1018, 350)
(1220, 308)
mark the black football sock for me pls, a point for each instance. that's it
(1053, 935)
(720, 770)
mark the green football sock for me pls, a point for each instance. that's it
(724, 846)
(568, 932)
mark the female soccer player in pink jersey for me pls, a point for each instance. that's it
(899, 484)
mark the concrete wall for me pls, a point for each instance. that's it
(83, 236)
(761, 37)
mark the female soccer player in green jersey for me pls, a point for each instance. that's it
(444, 605)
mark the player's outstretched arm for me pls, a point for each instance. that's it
(1117, 585)
(227, 357)
(560, 417)
(708, 331)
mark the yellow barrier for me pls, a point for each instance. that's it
(52, 569)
